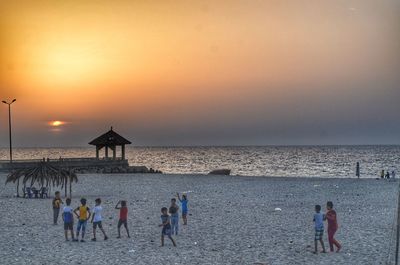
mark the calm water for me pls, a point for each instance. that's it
(322, 161)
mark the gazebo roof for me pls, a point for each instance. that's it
(110, 138)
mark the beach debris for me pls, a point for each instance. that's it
(278, 209)
(225, 172)
(131, 251)
(317, 185)
(195, 243)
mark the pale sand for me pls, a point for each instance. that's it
(232, 221)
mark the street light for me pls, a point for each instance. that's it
(9, 124)
(9, 129)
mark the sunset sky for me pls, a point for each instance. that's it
(234, 72)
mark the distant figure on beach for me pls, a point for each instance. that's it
(382, 174)
(393, 174)
(332, 227)
(123, 217)
(387, 174)
(174, 212)
(68, 218)
(319, 229)
(97, 219)
(184, 202)
(83, 216)
(56, 206)
(358, 170)
(166, 226)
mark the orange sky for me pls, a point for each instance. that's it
(160, 70)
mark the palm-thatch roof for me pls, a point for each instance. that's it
(45, 175)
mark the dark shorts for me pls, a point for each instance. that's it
(166, 231)
(122, 222)
(319, 233)
(97, 224)
(68, 226)
(184, 212)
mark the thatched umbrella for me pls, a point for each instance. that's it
(45, 175)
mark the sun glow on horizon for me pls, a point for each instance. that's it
(57, 123)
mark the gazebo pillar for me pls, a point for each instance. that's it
(97, 152)
(106, 151)
(114, 152)
(123, 152)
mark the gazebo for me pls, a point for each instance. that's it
(110, 140)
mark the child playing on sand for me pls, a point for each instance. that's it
(184, 202)
(84, 215)
(166, 226)
(68, 218)
(332, 226)
(174, 212)
(96, 219)
(56, 206)
(319, 229)
(123, 217)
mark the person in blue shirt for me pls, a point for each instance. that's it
(319, 229)
(68, 218)
(184, 202)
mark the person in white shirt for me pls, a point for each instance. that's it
(96, 219)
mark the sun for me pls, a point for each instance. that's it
(56, 123)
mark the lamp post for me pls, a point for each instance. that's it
(9, 129)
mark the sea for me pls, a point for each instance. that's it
(276, 161)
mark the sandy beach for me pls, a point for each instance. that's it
(232, 221)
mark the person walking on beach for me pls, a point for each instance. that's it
(83, 216)
(68, 218)
(358, 170)
(123, 217)
(319, 229)
(382, 174)
(174, 212)
(166, 226)
(393, 175)
(387, 175)
(184, 202)
(97, 219)
(331, 217)
(56, 207)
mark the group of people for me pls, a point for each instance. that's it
(169, 217)
(84, 214)
(388, 175)
(331, 218)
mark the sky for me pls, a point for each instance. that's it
(166, 73)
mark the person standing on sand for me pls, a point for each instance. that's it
(68, 218)
(319, 229)
(56, 206)
(387, 175)
(382, 174)
(166, 226)
(123, 217)
(393, 175)
(184, 202)
(97, 219)
(174, 212)
(331, 217)
(84, 215)
(358, 170)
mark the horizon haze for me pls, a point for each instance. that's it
(204, 73)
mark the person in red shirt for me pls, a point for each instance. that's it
(330, 216)
(123, 217)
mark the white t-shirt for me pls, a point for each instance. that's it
(97, 214)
